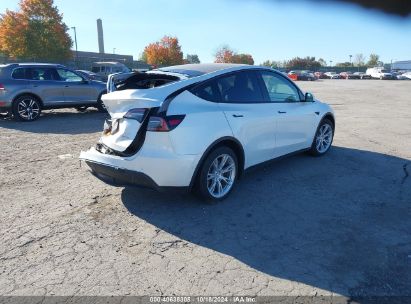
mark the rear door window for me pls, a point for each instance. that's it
(43, 74)
(239, 87)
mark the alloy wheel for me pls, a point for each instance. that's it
(324, 138)
(221, 175)
(28, 109)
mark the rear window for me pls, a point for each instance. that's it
(145, 81)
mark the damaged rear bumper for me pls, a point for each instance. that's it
(122, 178)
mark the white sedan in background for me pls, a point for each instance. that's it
(200, 126)
(332, 75)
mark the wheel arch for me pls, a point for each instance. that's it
(329, 116)
(227, 141)
(30, 94)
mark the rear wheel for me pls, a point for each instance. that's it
(26, 108)
(323, 138)
(218, 174)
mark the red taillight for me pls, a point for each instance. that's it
(164, 124)
(2, 88)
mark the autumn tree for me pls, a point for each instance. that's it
(192, 59)
(243, 58)
(36, 32)
(226, 55)
(373, 60)
(165, 52)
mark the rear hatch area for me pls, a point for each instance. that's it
(130, 104)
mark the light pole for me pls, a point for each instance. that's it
(350, 60)
(331, 63)
(114, 51)
(75, 41)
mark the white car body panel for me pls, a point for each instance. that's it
(264, 130)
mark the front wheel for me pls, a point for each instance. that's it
(218, 174)
(26, 108)
(323, 138)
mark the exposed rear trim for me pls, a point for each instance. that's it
(122, 177)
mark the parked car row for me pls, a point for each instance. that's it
(372, 73)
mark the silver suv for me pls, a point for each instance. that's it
(28, 88)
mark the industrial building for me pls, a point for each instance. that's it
(401, 65)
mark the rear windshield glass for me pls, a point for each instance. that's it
(145, 81)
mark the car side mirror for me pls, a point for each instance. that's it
(309, 97)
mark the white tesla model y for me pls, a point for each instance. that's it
(200, 126)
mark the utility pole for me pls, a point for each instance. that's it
(75, 41)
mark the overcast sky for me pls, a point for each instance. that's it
(274, 30)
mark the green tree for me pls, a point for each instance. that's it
(343, 64)
(243, 58)
(36, 32)
(143, 57)
(307, 63)
(273, 64)
(192, 58)
(373, 60)
(322, 62)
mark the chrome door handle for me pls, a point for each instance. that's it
(236, 116)
(282, 112)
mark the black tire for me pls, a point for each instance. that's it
(202, 181)
(316, 149)
(82, 109)
(100, 105)
(26, 108)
